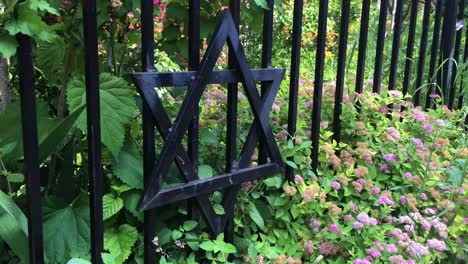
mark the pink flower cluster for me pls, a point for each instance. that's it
(393, 134)
(363, 219)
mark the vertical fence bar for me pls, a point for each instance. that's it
(363, 33)
(379, 53)
(194, 62)
(396, 45)
(294, 75)
(343, 45)
(434, 51)
(446, 48)
(30, 148)
(94, 129)
(453, 88)
(410, 46)
(318, 82)
(422, 52)
(231, 135)
(147, 49)
(267, 45)
(463, 80)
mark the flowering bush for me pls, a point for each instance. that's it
(392, 192)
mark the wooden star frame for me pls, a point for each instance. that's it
(173, 134)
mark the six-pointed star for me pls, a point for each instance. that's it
(173, 134)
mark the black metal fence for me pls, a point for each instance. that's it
(445, 50)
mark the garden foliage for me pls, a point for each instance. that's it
(392, 191)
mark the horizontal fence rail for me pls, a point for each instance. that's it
(436, 62)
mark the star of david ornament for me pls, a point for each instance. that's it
(173, 133)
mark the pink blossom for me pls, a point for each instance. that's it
(375, 190)
(327, 249)
(353, 207)
(428, 128)
(156, 2)
(408, 176)
(392, 157)
(276, 107)
(385, 200)
(440, 122)
(335, 185)
(423, 196)
(298, 178)
(403, 199)
(418, 142)
(335, 229)
(391, 248)
(357, 225)
(375, 253)
(384, 168)
(348, 218)
(361, 261)
(309, 247)
(324, 124)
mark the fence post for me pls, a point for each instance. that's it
(422, 52)
(94, 129)
(30, 148)
(453, 88)
(380, 46)
(363, 33)
(318, 82)
(343, 45)
(434, 51)
(396, 45)
(294, 75)
(147, 49)
(410, 46)
(446, 48)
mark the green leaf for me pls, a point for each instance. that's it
(117, 108)
(131, 200)
(129, 166)
(107, 258)
(207, 246)
(219, 209)
(176, 234)
(262, 3)
(273, 182)
(8, 46)
(42, 6)
(55, 138)
(111, 205)
(189, 225)
(120, 241)
(50, 57)
(14, 227)
(29, 23)
(205, 171)
(255, 215)
(66, 231)
(15, 177)
(227, 248)
(78, 261)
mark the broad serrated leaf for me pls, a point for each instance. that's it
(117, 108)
(42, 6)
(129, 166)
(107, 258)
(66, 231)
(262, 3)
(111, 205)
(131, 200)
(8, 46)
(50, 56)
(219, 209)
(14, 227)
(29, 23)
(119, 242)
(189, 225)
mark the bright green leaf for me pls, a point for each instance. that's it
(78, 261)
(66, 231)
(189, 225)
(205, 171)
(111, 205)
(207, 246)
(120, 241)
(15, 177)
(8, 46)
(129, 166)
(117, 108)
